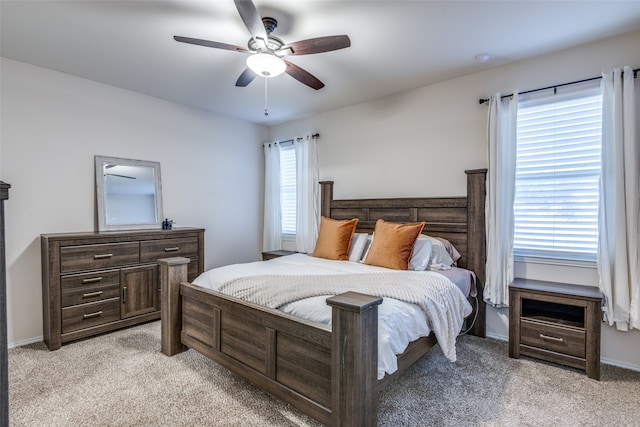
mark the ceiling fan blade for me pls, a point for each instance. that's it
(246, 77)
(317, 45)
(252, 20)
(209, 43)
(303, 76)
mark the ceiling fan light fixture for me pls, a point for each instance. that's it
(266, 64)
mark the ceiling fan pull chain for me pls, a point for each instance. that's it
(266, 112)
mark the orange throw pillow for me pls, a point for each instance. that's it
(392, 244)
(334, 238)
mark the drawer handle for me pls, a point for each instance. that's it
(91, 315)
(92, 280)
(124, 294)
(102, 256)
(174, 249)
(92, 294)
(547, 337)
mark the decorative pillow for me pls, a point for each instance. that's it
(358, 245)
(393, 243)
(421, 257)
(334, 238)
(439, 254)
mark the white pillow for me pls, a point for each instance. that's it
(421, 257)
(358, 245)
(439, 254)
(367, 246)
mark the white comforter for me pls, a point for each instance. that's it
(399, 323)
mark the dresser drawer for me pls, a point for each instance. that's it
(87, 315)
(152, 250)
(554, 338)
(78, 282)
(93, 257)
(90, 294)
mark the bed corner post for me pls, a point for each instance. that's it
(172, 272)
(326, 197)
(476, 193)
(354, 359)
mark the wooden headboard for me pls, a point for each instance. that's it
(461, 220)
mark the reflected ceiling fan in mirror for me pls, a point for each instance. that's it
(267, 51)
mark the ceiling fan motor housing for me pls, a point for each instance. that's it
(273, 42)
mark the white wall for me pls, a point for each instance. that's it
(419, 143)
(52, 126)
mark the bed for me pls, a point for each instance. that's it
(328, 372)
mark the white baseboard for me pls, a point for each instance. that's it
(619, 364)
(612, 362)
(25, 342)
(498, 337)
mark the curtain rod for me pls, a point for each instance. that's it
(314, 136)
(290, 141)
(554, 87)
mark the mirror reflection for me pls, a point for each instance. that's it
(129, 193)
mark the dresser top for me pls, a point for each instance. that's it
(120, 233)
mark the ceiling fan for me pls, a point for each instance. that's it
(267, 51)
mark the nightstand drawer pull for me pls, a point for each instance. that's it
(92, 280)
(174, 249)
(92, 294)
(102, 256)
(92, 315)
(547, 337)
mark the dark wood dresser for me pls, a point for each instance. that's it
(4, 353)
(101, 281)
(556, 322)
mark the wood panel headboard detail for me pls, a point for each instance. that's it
(461, 220)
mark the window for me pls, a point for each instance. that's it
(557, 174)
(288, 188)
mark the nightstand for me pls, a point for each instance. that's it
(557, 322)
(267, 255)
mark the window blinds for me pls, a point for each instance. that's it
(288, 188)
(557, 173)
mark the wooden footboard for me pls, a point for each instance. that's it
(328, 374)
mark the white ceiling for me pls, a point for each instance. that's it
(395, 45)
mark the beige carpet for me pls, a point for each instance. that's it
(122, 379)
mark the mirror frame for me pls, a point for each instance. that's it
(103, 225)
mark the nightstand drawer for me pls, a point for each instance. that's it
(94, 257)
(87, 315)
(153, 250)
(554, 338)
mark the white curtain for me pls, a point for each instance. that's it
(272, 234)
(619, 199)
(307, 194)
(501, 133)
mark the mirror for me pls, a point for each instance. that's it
(129, 194)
